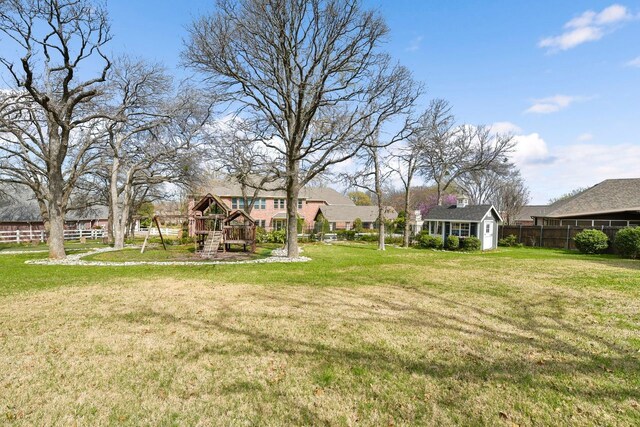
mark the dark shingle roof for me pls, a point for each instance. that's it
(339, 213)
(473, 213)
(611, 195)
(528, 211)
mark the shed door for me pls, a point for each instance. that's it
(487, 239)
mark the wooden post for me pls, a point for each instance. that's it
(568, 234)
(541, 231)
(155, 219)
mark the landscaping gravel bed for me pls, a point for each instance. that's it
(76, 259)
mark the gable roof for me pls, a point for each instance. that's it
(208, 200)
(239, 213)
(611, 195)
(472, 213)
(528, 211)
(325, 194)
(343, 213)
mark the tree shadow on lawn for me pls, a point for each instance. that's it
(565, 351)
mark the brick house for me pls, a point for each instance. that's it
(270, 209)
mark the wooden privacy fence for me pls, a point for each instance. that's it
(557, 237)
(25, 236)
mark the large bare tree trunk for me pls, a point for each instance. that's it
(407, 217)
(293, 190)
(379, 196)
(56, 229)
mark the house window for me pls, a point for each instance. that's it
(279, 203)
(260, 204)
(261, 223)
(460, 229)
(237, 203)
(299, 203)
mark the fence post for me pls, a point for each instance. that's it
(41, 236)
(541, 231)
(520, 234)
(18, 236)
(568, 233)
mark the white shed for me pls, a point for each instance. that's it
(465, 220)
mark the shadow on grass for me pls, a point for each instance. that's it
(568, 350)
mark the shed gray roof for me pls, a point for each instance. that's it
(326, 194)
(611, 195)
(472, 213)
(340, 213)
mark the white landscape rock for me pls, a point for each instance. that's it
(76, 259)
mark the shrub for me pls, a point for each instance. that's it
(261, 235)
(425, 240)
(346, 234)
(277, 236)
(510, 241)
(368, 237)
(392, 240)
(453, 242)
(357, 225)
(471, 243)
(627, 242)
(591, 241)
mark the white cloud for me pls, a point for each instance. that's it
(552, 104)
(580, 165)
(588, 26)
(505, 128)
(415, 44)
(634, 62)
(585, 137)
(531, 150)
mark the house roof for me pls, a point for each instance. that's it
(22, 207)
(529, 211)
(326, 194)
(472, 213)
(609, 196)
(339, 213)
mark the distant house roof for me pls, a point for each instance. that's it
(342, 213)
(529, 211)
(609, 196)
(22, 207)
(472, 213)
(326, 194)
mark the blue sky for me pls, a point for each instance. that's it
(564, 76)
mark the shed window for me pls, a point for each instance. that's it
(460, 229)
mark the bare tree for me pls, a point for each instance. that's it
(46, 121)
(450, 150)
(237, 153)
(370, 177)
(406, 163)
(306, 73)
(482, 186)
(150, 138)
(501, 185)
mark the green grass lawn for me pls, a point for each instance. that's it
(353, 337)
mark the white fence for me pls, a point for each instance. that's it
(25, 236)
(154, 231)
